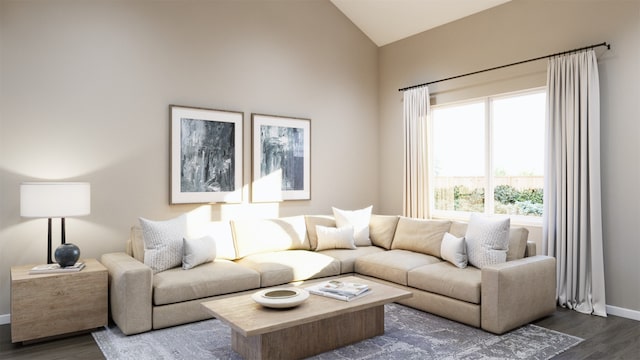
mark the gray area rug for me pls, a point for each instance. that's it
(409, 334)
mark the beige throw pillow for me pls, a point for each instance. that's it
(335, 238)
(311, 221)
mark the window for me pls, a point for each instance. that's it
(488, 156)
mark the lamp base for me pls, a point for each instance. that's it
(67, 254)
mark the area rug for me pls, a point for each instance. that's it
(409, 334)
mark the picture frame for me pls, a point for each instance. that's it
(206, 155)
(281, 158)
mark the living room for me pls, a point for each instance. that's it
(85, 89)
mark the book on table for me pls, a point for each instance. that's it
(56, 268)
(340, 290)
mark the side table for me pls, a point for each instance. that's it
(46, 305)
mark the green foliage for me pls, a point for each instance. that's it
(508, 200)
(506, 194)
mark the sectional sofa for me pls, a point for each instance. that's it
(394, 250)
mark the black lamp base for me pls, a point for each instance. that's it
(62, 238)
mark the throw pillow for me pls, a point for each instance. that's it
(311, 221)
(198, 251)
(335, 238)
(163, 242)
(359, 220)
(487, 240)
(453, 249)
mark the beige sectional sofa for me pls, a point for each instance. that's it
(403, 252)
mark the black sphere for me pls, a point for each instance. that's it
(67, 254)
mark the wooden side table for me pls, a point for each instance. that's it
(46, 305)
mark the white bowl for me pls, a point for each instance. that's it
(280, 298)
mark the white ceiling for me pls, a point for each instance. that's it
(386, 21)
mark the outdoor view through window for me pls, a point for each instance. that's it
(488, 155)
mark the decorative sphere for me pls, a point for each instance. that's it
(67, 254)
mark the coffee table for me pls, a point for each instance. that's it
(320, 324)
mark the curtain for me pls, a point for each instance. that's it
(416, 170)
(572, 221)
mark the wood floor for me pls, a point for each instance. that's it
(605, 338)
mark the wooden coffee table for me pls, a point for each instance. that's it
(320, 324)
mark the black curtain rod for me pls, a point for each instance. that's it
(512, 64)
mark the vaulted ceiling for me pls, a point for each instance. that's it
(386, 21)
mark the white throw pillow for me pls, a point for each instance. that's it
(198, 251)
(335, 238)
(359, 219)
(487, 240)
(163, 242)
(454, 250)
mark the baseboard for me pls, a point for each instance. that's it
(622, 312)
(5, 319)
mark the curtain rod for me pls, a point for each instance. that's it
(507, 65)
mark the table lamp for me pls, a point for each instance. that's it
(54, 200)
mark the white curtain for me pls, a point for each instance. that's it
(416, 169)
(572, 230)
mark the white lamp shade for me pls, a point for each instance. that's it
(55, 199)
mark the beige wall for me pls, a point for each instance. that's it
(519, 30)
(85, 88)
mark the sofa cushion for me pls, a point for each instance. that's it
(518, 237)
(210, 279)
(135, 245)
(420, 235)
(448, 280)
(163, 242)
(335, 238)
(220, 231)
(382, 228)
(311, 221)
(348, 258)
(267, 235)
(281, 267)
(487, 240)
(359, 219)
(392, 265)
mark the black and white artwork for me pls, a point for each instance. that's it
(281, 158)
(206, 155)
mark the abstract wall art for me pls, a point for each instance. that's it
(206, 155)
(281, 154)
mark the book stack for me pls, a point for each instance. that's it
(56, 268)
(341, 290)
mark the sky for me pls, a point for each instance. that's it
(518, 136)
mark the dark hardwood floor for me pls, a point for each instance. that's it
(605, 338)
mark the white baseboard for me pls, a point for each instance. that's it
(622, 312)
(5, 319)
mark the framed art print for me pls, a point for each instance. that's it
(206, 155)
(281, 154)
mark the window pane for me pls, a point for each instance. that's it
(458, 147)
(518, 154)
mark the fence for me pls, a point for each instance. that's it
(478, 182)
